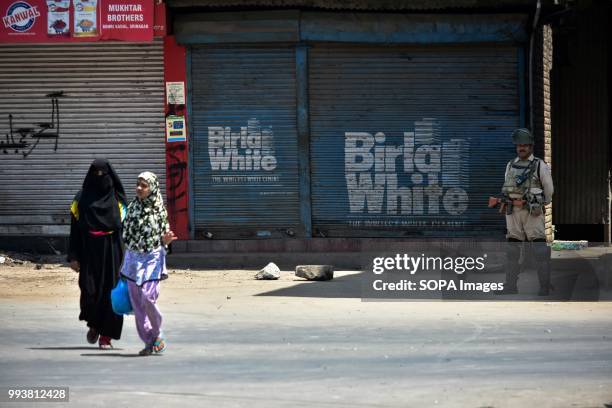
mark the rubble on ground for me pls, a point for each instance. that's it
(315, 272)
(270, 272)
(8, 258)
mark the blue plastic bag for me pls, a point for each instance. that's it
(120, 298)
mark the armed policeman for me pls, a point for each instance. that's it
(528, 187)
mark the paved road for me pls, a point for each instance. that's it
(235, 342)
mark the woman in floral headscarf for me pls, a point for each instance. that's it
(146, 234)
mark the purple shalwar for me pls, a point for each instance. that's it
(147, 314)
(143, 271)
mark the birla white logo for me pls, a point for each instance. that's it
(251, 148)
(437, 172)
(20, 16)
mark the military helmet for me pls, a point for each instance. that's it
(522, 136)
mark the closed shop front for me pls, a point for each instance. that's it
(112, 106)
(410, 140)
(303, 129)
(245, 173)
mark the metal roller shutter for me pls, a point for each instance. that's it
(244, 141)
(113, 108)
(410, 140)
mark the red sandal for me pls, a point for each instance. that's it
(105, 343)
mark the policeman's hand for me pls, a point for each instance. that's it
(168, 237)
(75, 266)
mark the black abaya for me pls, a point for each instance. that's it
(100, 258)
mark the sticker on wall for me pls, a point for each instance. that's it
(58, 17)
(175, 129)
(85, 18)
(175, 93)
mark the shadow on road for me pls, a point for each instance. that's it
(348, 286)
(578, 278)
(102, 354)
(66, 348)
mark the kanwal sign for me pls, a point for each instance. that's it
(20, 16)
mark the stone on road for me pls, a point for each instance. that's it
(315, 272)
(269, 272)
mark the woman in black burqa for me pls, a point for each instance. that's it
(96, 249)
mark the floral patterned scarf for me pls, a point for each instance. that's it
(147, 219)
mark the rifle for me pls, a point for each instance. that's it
(505, 203)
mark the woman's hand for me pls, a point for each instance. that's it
(168, 237)
(75, 266)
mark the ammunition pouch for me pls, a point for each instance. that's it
(535, 204)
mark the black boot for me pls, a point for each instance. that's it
(542, 255)
(512, 267)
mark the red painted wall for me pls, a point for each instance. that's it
(177, 172)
